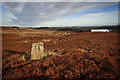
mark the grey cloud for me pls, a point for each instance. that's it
(32, 13)
(14, 7)
(60, 1)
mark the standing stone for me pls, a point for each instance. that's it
(23, 57)
(37, 51)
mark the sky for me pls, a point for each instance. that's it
(57, 14)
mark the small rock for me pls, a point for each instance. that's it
(23, 57)
(26, 41)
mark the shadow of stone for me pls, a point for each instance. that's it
(26, 56)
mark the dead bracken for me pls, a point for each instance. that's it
(73, 56)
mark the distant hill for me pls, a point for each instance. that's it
(9, 27)
(114, 28)
(82, 29)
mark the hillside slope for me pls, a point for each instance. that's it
(83, 55)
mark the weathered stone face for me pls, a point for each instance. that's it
(37, 51)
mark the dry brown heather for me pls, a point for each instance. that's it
(83, 55)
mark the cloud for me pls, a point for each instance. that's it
(14, 7)
(37, 13)
(94, 14)
(109, 18)
(0, 13)
(60, 1)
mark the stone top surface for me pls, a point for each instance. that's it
(40, 43)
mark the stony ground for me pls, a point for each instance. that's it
(83, 55)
